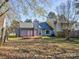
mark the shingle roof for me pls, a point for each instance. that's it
(26, 25)
(44, 25)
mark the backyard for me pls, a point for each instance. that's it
(46, 48)
(33, 29)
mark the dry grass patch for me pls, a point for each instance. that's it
(38, 48)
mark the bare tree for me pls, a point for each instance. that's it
(2, 14)
(2, 4)
(69, 16)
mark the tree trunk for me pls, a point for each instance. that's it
(3, 35)
(67, 38)
(68, 35)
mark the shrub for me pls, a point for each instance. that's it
(59, 34)
(46, 37)
(12, 35)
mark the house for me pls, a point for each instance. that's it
(45, 29)
(26, 29)
(35, 28)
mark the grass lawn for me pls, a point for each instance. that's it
(42, 48)
(14, 39)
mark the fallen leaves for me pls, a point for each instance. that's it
(33, 48)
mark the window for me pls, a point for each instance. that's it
(47, 32)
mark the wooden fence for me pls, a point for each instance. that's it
(75, 33)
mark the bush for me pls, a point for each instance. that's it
(46, 37)
(59, 34)
(12, 35)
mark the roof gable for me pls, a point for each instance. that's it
(44, 25)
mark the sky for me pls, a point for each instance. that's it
(54, 4)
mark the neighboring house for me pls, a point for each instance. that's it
(75, 30)
(46, 30)
(76, 27)
(60, 25)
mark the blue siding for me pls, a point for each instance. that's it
(43, 27)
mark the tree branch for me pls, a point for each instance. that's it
(3, 12)
(3, 3)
